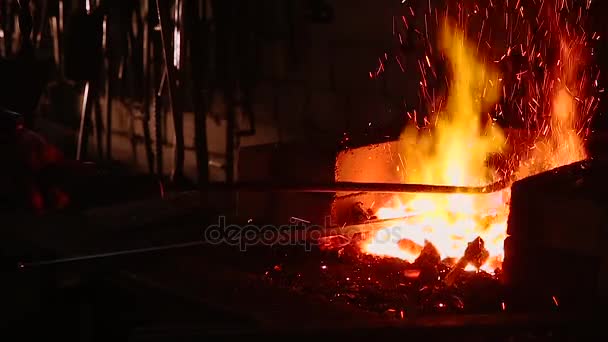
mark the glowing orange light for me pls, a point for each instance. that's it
(457, 151)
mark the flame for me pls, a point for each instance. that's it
(457, 151)
(455, 154)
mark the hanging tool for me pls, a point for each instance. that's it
(172, 59)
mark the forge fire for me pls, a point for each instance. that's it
(481, 64)
(552, 88)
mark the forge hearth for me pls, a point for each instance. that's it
(552, 260)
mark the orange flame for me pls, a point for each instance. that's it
(456, 154)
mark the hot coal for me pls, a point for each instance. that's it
(410, 246)
(360, 214)
(429, 256)
(475, 255)
(389, 286)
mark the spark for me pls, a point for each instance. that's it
(555, 301)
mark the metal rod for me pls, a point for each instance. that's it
(23, 265)
(164, 23)
(59, 40)
(158, 113)
(327, 232)
(230, 137)
(82, 131)
(366, 227)
(147, 81)
(110, 82)
(96, 115)
(224, 13)
(299, 235)
(26, 24)
(42, 23)
(8, 24)
(56, 52)
(357, 187)
(303, 235)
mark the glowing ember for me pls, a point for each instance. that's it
(457, 151)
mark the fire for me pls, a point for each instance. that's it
(455, 154)
(457, 151)
(561, 142)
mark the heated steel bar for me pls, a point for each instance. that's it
(357, 187)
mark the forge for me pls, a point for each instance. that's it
(525, 206)
(546, 266)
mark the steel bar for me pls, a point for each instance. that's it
(24, 265)
(308, 234)
(357, 187)
(305, 235)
